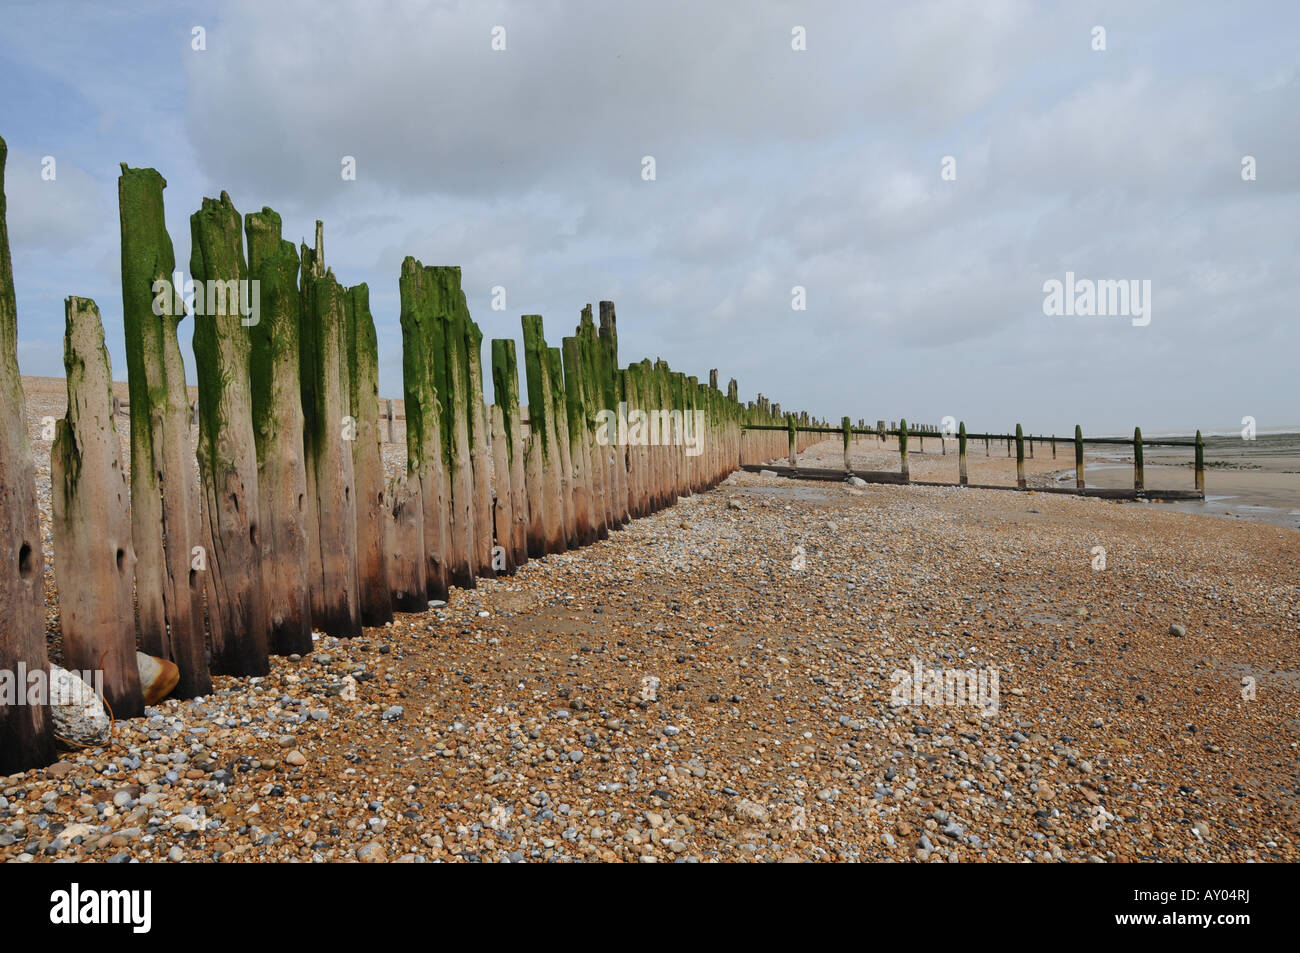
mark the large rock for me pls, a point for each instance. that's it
(79, 715)
(157, 677)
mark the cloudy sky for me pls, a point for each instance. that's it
(821, 168)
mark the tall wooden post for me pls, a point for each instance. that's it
(93, 555)
(502, 524)
(559, 409)
(524, 495)
(541, 422)
(613, 396)
(1078, 457)
(227, 451)
(368, 473)
(579, 451)
(848, 437)
(902, 449)
(457, 410)
(331, 490)
(164, 511)
(961, 453)
(480, 440)
(1200, 464)
(26, 731)
(423, 363)
(1139, 476)
(407, 569)
(1020, 457)
(794, 436)
(276, 391)
(591, 401)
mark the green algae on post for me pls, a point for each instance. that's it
(425, 470)
(276, 390)
(169, 571)
(367, 458)
(227, 451)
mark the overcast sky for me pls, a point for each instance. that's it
(774, 168)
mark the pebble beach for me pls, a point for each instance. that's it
(717, 683)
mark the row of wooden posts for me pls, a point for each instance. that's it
(294, 524)
(1019, 440)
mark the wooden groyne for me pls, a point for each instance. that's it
(762, 434)
(292, 524)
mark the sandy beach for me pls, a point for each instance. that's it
(720, 682)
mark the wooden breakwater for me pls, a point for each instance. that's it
(293, 525)
(1019, 442)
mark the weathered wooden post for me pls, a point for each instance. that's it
(327, 444)
(619, 450)
(794, 436)
(657, 396)
(1020, 457)
(559, 410)
(1053, 446)
(503, 519)
(93, 555)
(579, 451)
(589, 354)
(1031, 446)
(227, 452)
(1200, 464)
(681, 386)
(407, 568)
(902, 449)
(276, 390)
(164, 511)
(524, 495)
(986, 445)
(1139, 476)
(369, 478)
(639, 401)
(26, 731)
(636, 488)
(392, 420)
(961, 453)
(453, 393)
(848, 437)
(480, 441)
(541, 422)
(423, 363)
(1078, 457)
